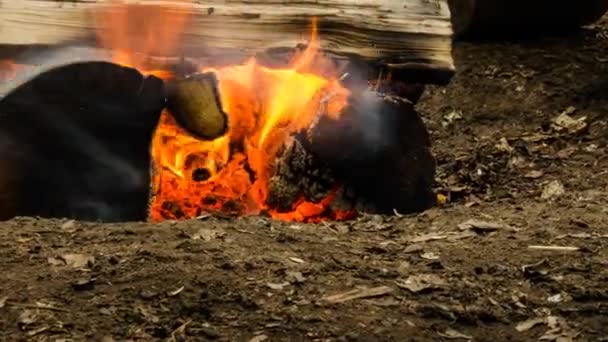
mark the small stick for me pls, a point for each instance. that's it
(36, 306)
(555, 248)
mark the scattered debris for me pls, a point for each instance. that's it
(503, 146)
(175, 292)
(421, 282)
(77, 261)
(452, 116)
(207, 234)
(555, 248)
(452, 334)
(553, 190)
(428, 237)
(296, 260)
(295, 277)
(414, 248)
(358, 294)
(84, 284)
(529, 324)
(429, 256)
(566, 122)
(69, 226)
(180, 331)
(481, 226)
(259, 338)
(278, 287)
(558, 298)
(534, 174)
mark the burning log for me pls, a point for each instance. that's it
(412, 39)
(376, 158)
(75, 142)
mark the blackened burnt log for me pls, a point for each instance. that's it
(376, 158)
(75, 143)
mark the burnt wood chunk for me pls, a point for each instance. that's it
(195, 103)
(411, 37)
(75, 143)
(377, 155)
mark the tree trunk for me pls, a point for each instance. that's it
(412, 37)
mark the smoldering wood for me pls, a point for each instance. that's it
(75, 142)
(377, 155)
(412, 37)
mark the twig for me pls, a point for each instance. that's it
(37, 306)
(555, 248)
(180, 330)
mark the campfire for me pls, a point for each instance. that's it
(303, 140)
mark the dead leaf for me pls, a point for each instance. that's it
(529, 324)
(421, 282)
(358, 294)
(483, 225)
(78, 260)
(534, 174)
(452, 334)
(553, 190)
(503, 146)
(565, 122)
(55, 261)
(207, 234)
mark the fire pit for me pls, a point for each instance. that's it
(305, 137)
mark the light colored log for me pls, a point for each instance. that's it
(404, 34)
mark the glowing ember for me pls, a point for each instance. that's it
(265, 107)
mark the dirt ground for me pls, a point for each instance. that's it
(469, 270)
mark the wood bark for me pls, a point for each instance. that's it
(411, 37)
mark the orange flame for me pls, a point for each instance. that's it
(265, 107)
(134, 32)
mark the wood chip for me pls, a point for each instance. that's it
(555, 248)
(429, 256)
(3, 301)
(358, 294)
(296, 260)
(534, 174)
(276, 286)
(176, 292)
(483, 225)
(421, 282)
